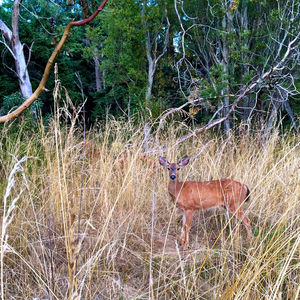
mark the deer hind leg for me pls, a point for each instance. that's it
(246, 222)
(186, 225)
(239, 214)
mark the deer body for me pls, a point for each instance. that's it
(198, 195)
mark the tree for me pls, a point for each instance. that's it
(52, 58)
(93, 51)
(16, 48)
(226, 45)
(39, 26)
(156, 32)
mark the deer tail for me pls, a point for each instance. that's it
(247, 194)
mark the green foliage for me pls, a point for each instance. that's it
(11, 102)
(156, 108)
(8, 85)
(226, 44)
(123, 49)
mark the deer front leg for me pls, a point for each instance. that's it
(182, 235)
(186, 225)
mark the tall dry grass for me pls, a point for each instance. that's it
(107, 229)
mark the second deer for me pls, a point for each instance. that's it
(198, 195)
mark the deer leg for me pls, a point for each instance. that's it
(186, 228)
(239, 214)
(246, 222)
(182, 235)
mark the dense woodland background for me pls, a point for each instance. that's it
(139, 58)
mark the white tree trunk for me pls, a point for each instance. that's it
(272, 119)
(227, 26)
(150, 81)
(21, 69)
(151, 61)
(17, 51)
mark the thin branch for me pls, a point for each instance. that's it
(165, 42)
(29, 54)
(8, 48)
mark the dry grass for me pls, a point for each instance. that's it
(107, 230)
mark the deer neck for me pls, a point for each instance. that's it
(174, 187)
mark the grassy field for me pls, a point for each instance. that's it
(94, 220)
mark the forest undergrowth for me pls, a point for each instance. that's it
(89, 216)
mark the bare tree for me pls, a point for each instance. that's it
(153, 57)
(274, 71)
(274, 95)
(212, 41)
(16, 48)
(152, 52)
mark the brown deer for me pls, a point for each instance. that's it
(198, 195)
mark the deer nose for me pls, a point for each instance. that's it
(172, 177)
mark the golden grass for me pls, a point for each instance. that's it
(107, 230)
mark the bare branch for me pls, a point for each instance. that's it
(29, 54)
(165, 42)
(6, 34)
(8, 48)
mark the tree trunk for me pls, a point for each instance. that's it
(226, 110)
(290, 114)
(99, 85)
(152, 54)
(12, 36)
(276, 103)
(151, 61)
(227, 26)
(17, 48)
(21, 69)
(150, 81)
(243, 16)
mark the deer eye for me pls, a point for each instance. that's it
(178, 169)
(169, 169)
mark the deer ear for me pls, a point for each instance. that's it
(163, 161)
(184, 161)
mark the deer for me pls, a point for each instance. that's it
(190, 196)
